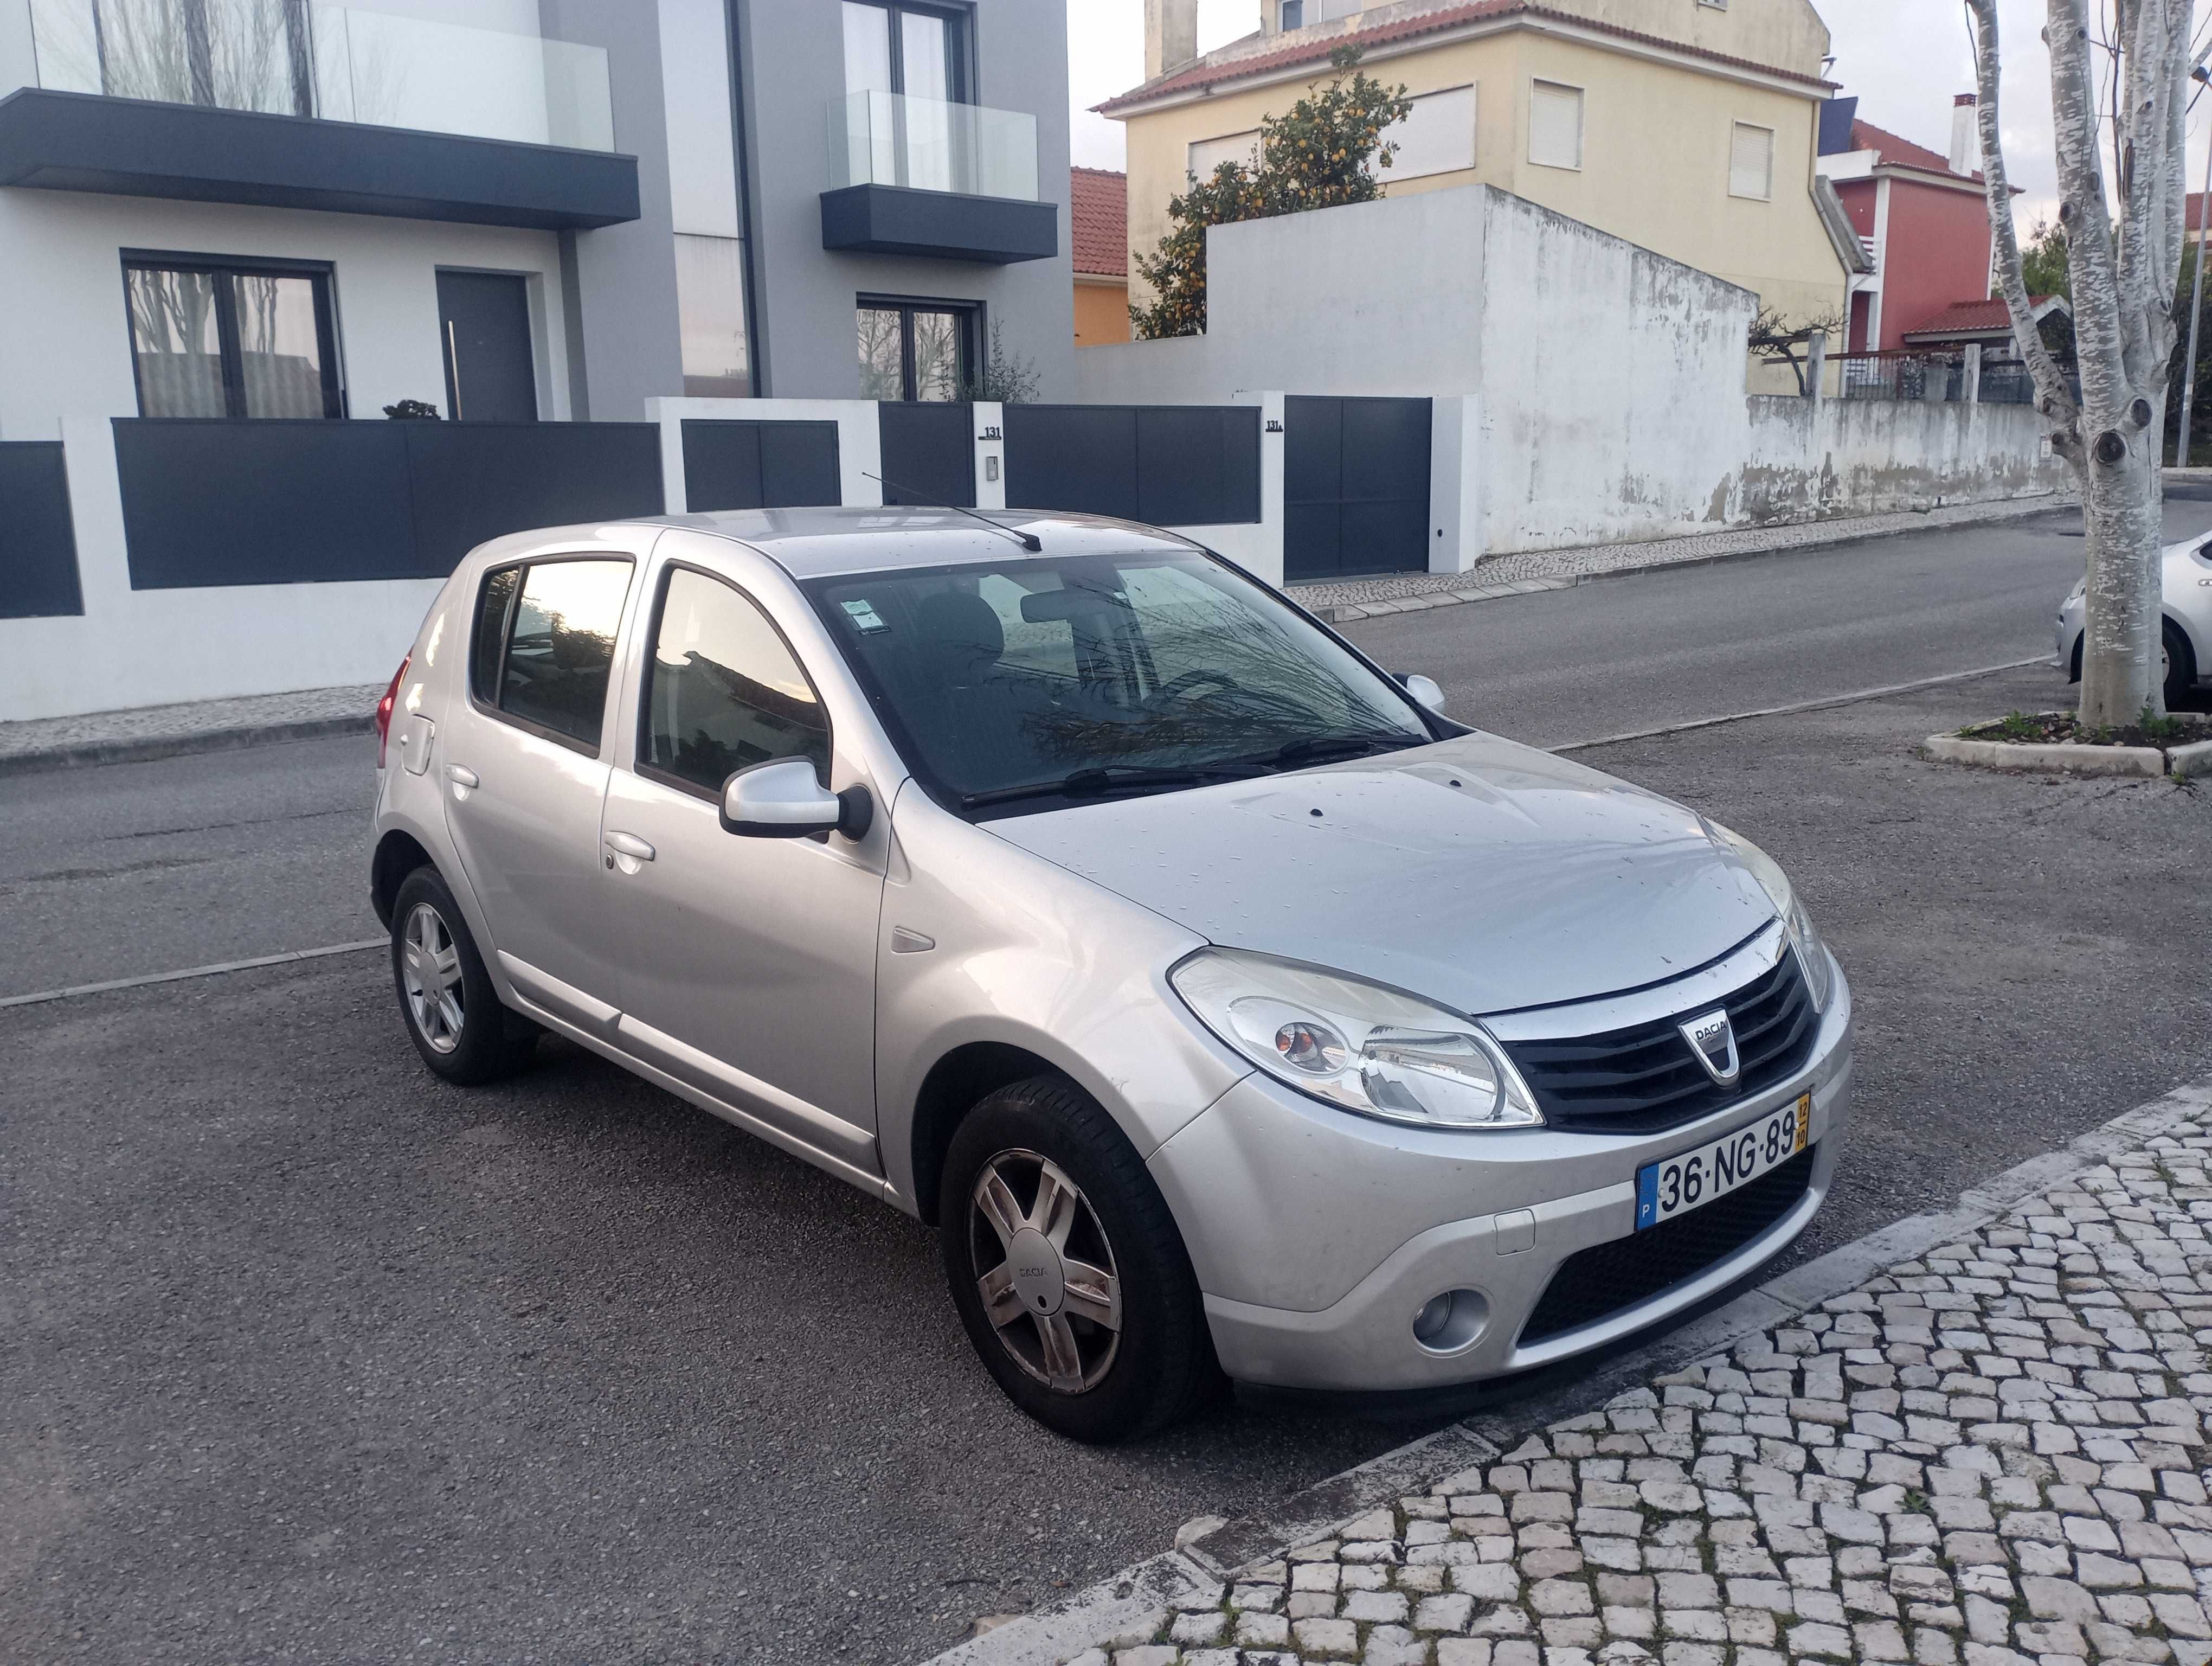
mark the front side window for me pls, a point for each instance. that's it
(915, 349)
(1043, 683)
(544, 646)
(723, 691)
(215, 338)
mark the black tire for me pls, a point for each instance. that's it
(1160, 1366)
(488, 1041)
(2180, 667)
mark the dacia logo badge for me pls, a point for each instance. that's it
(1712, 1038)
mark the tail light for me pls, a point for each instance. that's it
(384, 709)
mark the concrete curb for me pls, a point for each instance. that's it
(2194, 759)
(145, 748)
(1354, 612)
(1115, 1610)
(2046, 756)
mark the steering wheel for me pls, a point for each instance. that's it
(1177, 688)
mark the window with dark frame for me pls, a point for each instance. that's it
(916, 349)
(225, 337)
(920, 51)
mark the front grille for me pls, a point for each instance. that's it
(1645, 1079)
(1598, 1282)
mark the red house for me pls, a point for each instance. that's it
(1921, 214)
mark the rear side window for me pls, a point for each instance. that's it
(723, 692)
(545, 646)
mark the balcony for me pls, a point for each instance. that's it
(292, 104)
(922, 177)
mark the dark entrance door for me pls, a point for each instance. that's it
(929, 453)
(490, 375)
(1355, 487)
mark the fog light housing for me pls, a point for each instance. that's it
(1452, 1322)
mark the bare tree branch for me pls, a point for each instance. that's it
(2053, 397)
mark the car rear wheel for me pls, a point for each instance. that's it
(1067, 1269)
(453, 1013)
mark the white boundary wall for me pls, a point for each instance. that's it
(1585, 390)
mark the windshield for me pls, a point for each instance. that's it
(1038, 683)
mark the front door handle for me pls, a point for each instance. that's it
(629, 844)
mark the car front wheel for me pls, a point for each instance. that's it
(1067, 1269)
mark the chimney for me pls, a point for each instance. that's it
(1170, 35)
(1965, 136)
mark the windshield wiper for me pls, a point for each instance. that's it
(1317, 748)
(1111, 778)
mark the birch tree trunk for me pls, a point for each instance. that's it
(2122, 277)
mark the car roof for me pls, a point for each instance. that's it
(824, 542)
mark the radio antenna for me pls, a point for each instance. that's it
(1029, 541)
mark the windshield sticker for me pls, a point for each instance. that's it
(864, 617)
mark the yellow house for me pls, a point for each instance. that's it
(1689, 127)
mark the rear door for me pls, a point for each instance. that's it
(525, 770)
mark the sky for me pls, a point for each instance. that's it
(1905, 60)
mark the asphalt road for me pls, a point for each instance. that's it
(303, 1355)
(1637, 651)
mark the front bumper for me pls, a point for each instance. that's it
(1318, 1236)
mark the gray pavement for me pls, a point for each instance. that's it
(304, 1355)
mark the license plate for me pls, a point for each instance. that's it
(1675, 1185)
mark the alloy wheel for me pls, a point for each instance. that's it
(430, 972)
(1048, 1281)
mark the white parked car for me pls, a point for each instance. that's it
(1225, 1006)
(2185, 633)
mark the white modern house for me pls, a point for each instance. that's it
(234, 232)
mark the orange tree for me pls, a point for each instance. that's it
(1319, 155)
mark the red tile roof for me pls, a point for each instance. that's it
(1098, 208)
(1317, 49)
(1903, 153)
(1966, 317)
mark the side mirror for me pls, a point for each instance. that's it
(1425, 690)
(784, 799)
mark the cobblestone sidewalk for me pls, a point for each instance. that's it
(198, 726)
(1554, 570)
(1986, 1457)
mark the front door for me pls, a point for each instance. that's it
(490, 374)
(749, 964)
(525, 774)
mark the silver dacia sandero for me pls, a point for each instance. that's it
(1226, 1009)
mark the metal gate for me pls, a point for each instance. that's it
(1355, 487)
(929, 453)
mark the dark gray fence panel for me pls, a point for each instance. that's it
(473, 481)
(929, 451)
(38, 540)
(1174, 465)
(759, 465)
(1355, 486)
(300, 503)
(263, 503)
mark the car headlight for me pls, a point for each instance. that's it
(1352, 1044)
(2081, 589)
(1812, 954)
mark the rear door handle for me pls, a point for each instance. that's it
(461, 776)
(629, 844)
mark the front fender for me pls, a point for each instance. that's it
(1024, 954)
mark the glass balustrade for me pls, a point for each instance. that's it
(301, 57)
(927, 144)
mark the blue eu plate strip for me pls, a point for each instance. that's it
(1647, 1196)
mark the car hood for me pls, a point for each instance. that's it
(1481, 873)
